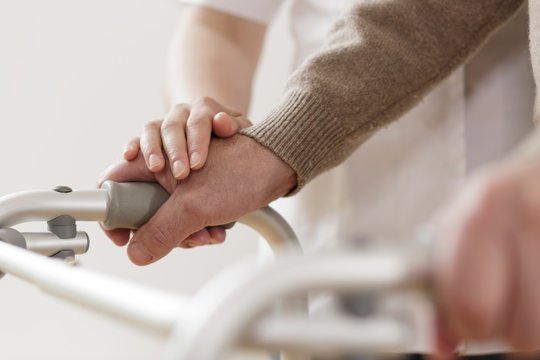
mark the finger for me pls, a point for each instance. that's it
(119, 237)
(131, 149)
(173, 137)
(200, 238)
(207, 236)
(198, 131)
(151, 146)
(217, 235)
(163, 232)
(224, 126)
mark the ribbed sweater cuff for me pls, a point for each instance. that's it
(301, 132)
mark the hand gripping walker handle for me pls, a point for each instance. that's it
(132, 204)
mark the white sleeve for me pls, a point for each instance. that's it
(261, 11)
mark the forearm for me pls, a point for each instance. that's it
(379, 61)
(213, 54)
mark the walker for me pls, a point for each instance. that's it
(240, 308)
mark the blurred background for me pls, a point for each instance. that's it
(77, 80)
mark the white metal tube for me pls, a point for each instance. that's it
(228, 305)
(329, 336)
(282, 239)
(147, 307)
(47, 244)
(273, 228)
(86, 205)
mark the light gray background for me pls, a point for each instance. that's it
(77, 80)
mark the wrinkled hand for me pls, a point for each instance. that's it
(487, 268)
(181, 142)
(240, 176)
(184, 136)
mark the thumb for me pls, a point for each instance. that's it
(169, 226)
(225, 125)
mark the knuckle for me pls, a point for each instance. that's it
(151, 125)
(199, 122)
(170, 124)
(205, 100)
(149, 146)
(174, 154)
(181, 108)
(197, 144)
(176, 117)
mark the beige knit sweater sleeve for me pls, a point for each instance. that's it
(379, 60)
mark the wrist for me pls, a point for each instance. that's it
(274, 176)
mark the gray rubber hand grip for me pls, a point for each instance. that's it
(131, 205)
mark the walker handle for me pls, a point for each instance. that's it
(130, 205)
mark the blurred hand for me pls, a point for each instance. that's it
(184, 135)
(240, 176)
(487, 265)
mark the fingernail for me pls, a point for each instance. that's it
(154, 161)
(191, 244)
(194, 160)
(139, 254)
(178, 168)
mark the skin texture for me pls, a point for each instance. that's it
(239, 177)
